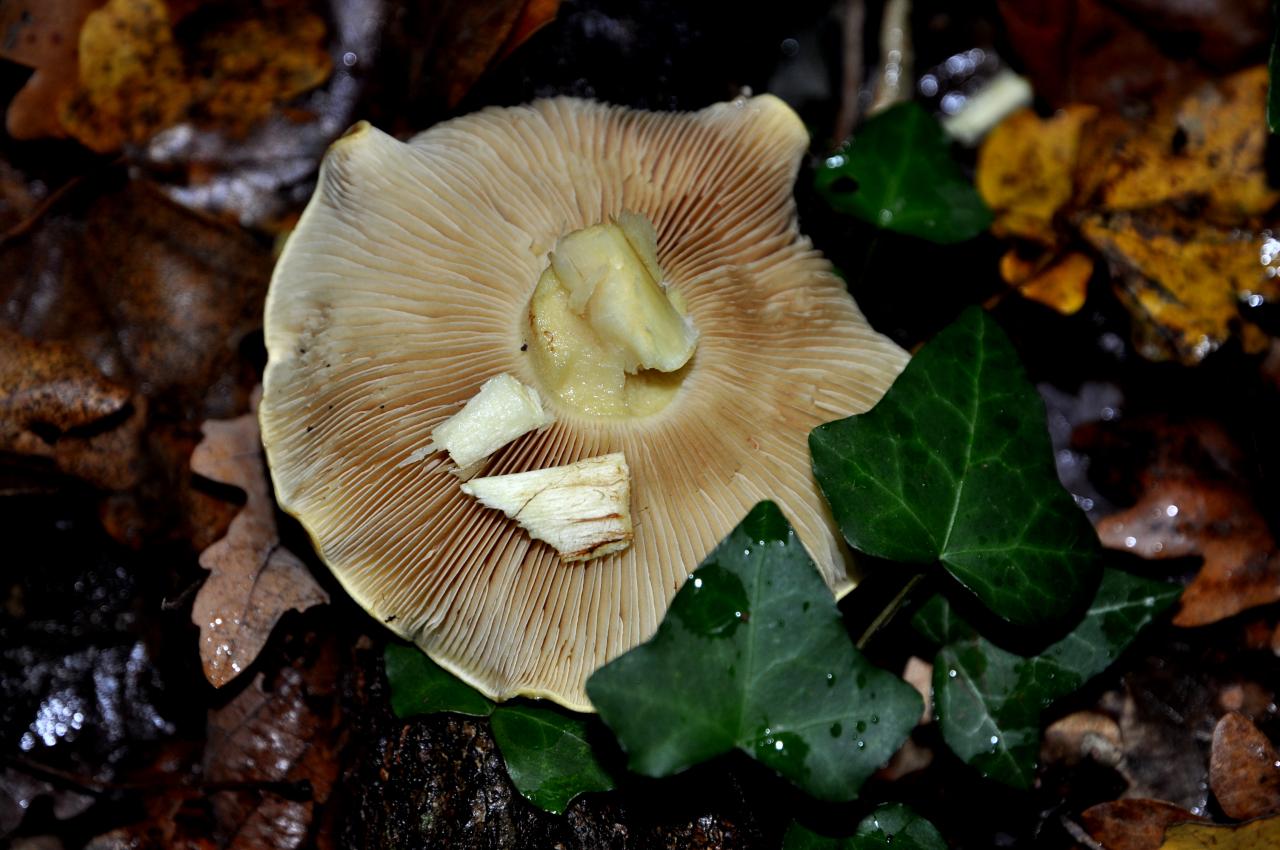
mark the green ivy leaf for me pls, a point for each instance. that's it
(897, 173)
(548, 756)
(988, 701)
(420, 686)
(753, 655)
(954, 464)
(891, 825)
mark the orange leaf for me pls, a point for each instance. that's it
(1244, 770)
(1133, 824)
(44, 35)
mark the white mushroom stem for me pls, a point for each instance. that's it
(583, 509)
(503, 410)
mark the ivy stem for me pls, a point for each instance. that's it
(889, 611)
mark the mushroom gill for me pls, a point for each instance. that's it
(407, 285)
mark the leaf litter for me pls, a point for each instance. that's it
(253, 580)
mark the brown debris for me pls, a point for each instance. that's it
(283, 736)
(1244, 769)
(1133, 824)
(44, 35)
(253, 580)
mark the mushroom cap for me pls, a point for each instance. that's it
(406, 285)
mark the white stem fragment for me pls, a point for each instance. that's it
(583, 509)
(503, 410)
(1005, 94)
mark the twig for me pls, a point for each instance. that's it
(889, 611)
(896, 59)
(1077, 832)
(855, 18)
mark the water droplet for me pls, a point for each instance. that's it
(860, 726)
(1130, 542)
(885, 217)
(697, 583)
(350, 59)
(1172, 510)
(862, 744)
(875, 718)
(779, 746)
(995, 739)
(746, 553)
(951, 673)
(835, 161)
(836, 729)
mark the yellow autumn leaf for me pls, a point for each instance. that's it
(1262, 834)
(1211, 144)
(1183, 280)
(1025, 170)
(137, 79)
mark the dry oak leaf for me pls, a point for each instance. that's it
(1210, 145)
(1255, 835)
(289, 735)
(54, 404)
(44, 35)
(253, 580)
(1244, 770)
(1026, 171)
(137, 79)
(1183, 280)
(1133, 824)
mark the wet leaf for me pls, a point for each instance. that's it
(1026, 171)
(1244, 770)
(548, 755)
(280, 740)
(1133, 824)
(1209, 145)
(137, 78)
(753, 655)
(954, 465)
(54, 404)
(253, 580)
(891, 825)
(989, 700)
(420, 686)
(1193, 502)
(1255, 835)
(1184, 282)
(897, 173)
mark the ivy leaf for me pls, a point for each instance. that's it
(891, 825)
(753, 655)
(954, 464)
(420, 686)
(988, 700)
(897, 173)
(548, 756)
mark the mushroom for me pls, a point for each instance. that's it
(409, 282)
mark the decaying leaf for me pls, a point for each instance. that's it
(1061, 283)
(1184, 280)
(1244, 769)
(1255, 835)
(54, 404)
(279, 739)
(1134, 824)
(1026, 171)
(44, 35)
(253, 580)
(1194, 503)
(136, 78)
(1210, 145)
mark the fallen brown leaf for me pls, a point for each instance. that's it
(1083, 735)
(1255, 835)
(285, 738)
(253, 580)
(1244, 769)
(56, 405)
(1193, 503)
(136, 78)
(1133, 824)
(44, 35)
